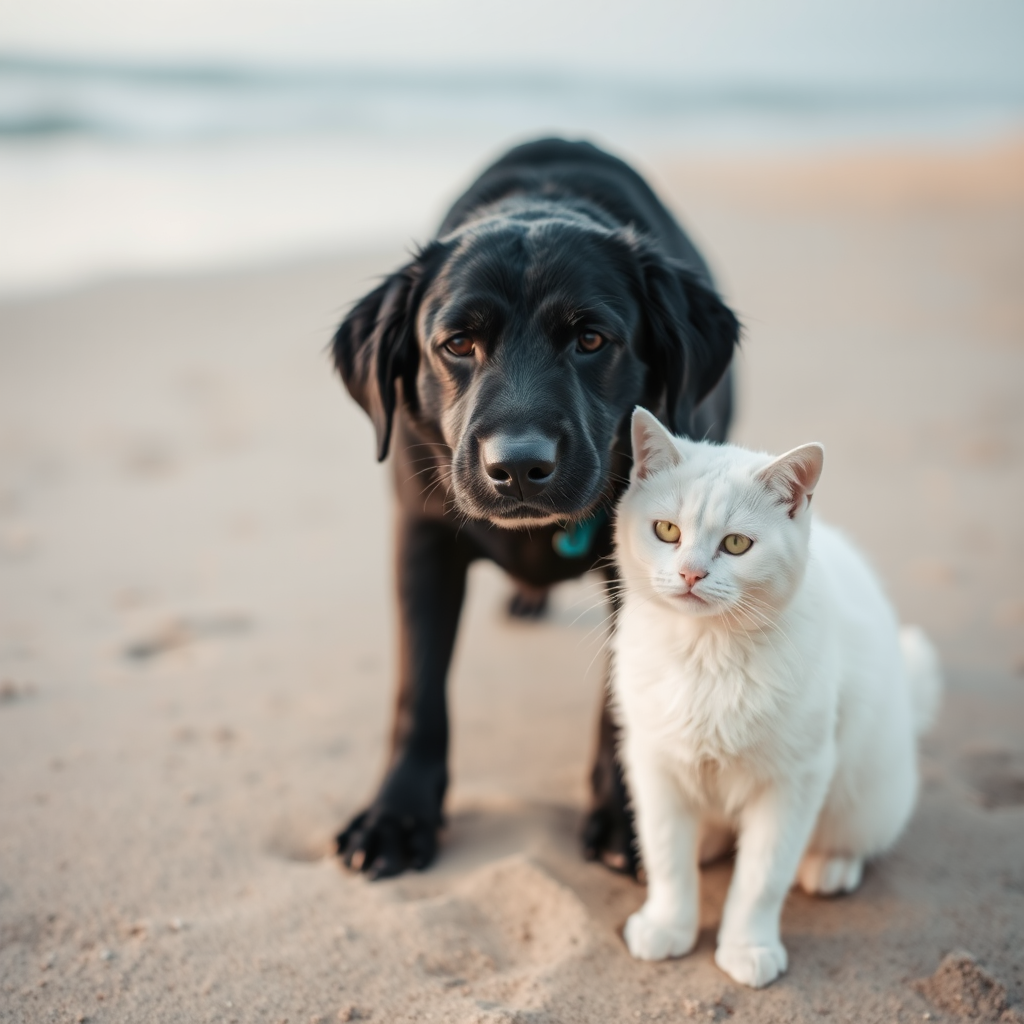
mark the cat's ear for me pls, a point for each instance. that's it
(794, 476)
(654, 448)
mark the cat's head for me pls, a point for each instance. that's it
(714, 529)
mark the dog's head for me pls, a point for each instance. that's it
(523, 342)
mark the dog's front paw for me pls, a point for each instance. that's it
(755, 966)
(381, 845)
(528, 602)
(649, 938)
(399, 830)
(609, 838)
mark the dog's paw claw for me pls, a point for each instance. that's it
(382, 846)
(650, 939)
(755, 966)
(530, 603)
(610, 842)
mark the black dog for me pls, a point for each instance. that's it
(502, 365)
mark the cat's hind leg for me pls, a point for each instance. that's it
(822, 874)
(867, 807)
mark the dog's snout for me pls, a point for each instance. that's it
(519, 467)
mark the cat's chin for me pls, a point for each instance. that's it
(692, 604)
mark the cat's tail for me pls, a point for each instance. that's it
(924, 674)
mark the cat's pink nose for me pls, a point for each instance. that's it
(692, 575)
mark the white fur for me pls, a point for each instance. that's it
(771, 697)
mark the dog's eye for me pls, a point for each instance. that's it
(736, 544)
(460, 346)
(666, 531)
(589, 341)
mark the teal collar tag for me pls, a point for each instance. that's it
(577, 539)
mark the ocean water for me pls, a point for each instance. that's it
(113, 169)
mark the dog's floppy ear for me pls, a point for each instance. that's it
(692, 334)
(376, 344)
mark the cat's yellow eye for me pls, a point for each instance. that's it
(736, 544)
(666, 531)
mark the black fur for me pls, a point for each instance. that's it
(555, 240)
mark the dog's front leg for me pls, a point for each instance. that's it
(399, 829)
(608, 833)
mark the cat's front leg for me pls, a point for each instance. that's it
(666, 925)
(774, 830)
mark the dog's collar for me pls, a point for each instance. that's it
(577, 539)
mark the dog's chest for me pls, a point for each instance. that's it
(537, 556)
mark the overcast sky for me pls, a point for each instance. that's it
(884, 43)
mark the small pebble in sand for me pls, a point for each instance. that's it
(106, 954)
(176, 924)
(11, 691)
(962, 986)
(347, 1013)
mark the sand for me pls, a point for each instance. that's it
(196, 638)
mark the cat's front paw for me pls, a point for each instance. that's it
(755, 966)
(650, 938)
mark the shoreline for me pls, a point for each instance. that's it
(166, 215)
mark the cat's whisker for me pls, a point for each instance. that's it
(746, 613)
(750, 604)
(611, 634)
(588, 610)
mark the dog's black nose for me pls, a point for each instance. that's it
(519, 467)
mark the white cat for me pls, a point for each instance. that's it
(765, 690)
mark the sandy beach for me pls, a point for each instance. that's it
(196, 637)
